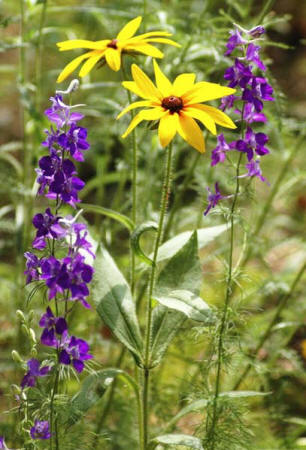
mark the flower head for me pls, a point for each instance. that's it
(213, 199)
(176, 105)
(34, 372)
(111, 49)
(74, 350)
(254, 170)
(252, 142)
(40, 430)
(219, 152)
(51, 325)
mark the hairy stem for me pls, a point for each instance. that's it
(158, 240)
(281, 305)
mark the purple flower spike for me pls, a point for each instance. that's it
(213, 199)
(219, 153)
(234, 41)
(75, 351)
(34, 372)
(75, 141)
(40, 430)
(252, 54)
(260, 90)
(238, 74)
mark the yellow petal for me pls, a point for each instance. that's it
(90, 63)
(113, 58)
(183, 83)
(191, 132)
(167, 128)
(72, 66)
(133, 106)
(164, 41)
(162, 82)
(218, 116)
(132, 86)
(204, 91)
(203, 117)
(146, 49)
(81, 43)
(150, 114)
(145, 84)
(151, 34)
(129, 29)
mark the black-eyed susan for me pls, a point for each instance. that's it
(176, 105)
(111, 49)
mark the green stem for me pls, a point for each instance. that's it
(282, 303)
(54, 392)
(265, 11)
(38, 59)
(134, 182)
(146, 370)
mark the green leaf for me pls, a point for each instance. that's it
(242, 394)
(188, 303)
(135, 238)
(204, 235)
(177, 439)
(92, 389)
(114, 303)
(182, 271)
(109, 213)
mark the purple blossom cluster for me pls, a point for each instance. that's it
(246, 75)
(67, 277)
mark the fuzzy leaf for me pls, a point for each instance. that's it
(135, 238)
(109, 213)
(92, 389)
(114, 303)
(188, 303)
(177, 439)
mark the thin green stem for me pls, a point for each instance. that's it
(38, 59)
(265, 11)
(281, 305)
(54, 392)
(146, 371)
(134, 182)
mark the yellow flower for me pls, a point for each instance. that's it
(111, 49)
(176, 105)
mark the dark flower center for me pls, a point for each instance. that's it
(174, 104)
(112, 44)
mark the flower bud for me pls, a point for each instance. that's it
(16, 389)
(33, 352)
(32, 335)
(20, 315)
(16, 357)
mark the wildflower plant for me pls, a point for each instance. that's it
(131, 327)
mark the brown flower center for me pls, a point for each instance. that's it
(174, 104)
(112, 44)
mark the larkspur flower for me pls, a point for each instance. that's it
(112, 49)
(257, 31)
(2, 444)
(29, 380)
(213, 198)
(228, 102)
(250, 114)
(61, 114)
(252, 143)
(254, 170)
(252, 54)
(238, 74)
(33, 267)
(74, 351)
(260, 90)
(51, 326)
(40, 430)
(74, 140)
(236, 40)
(219, 152)
(176, 105)
(47, 227)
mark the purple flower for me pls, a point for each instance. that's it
(55, 274)
(47, 227)
(60, 113)
(213, 199)
(250, 115)
(228, 102)
(2, 444)
(33, 266)
(219, 153)
(74, 350)
(40, 430)
(256, 32)
(234, 41)
(80, 274)
(254, 170)
(260, 90)
(252, 54)
(34, 372)
(51, 325)
(75, 141)
(238, 74)
(253, 142)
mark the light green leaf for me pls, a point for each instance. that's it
(109, 213)
(204, 235)
(242, 394)
(188, 303)
(135, 238)
(92, 389)
(177, 439)
(114, 303)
